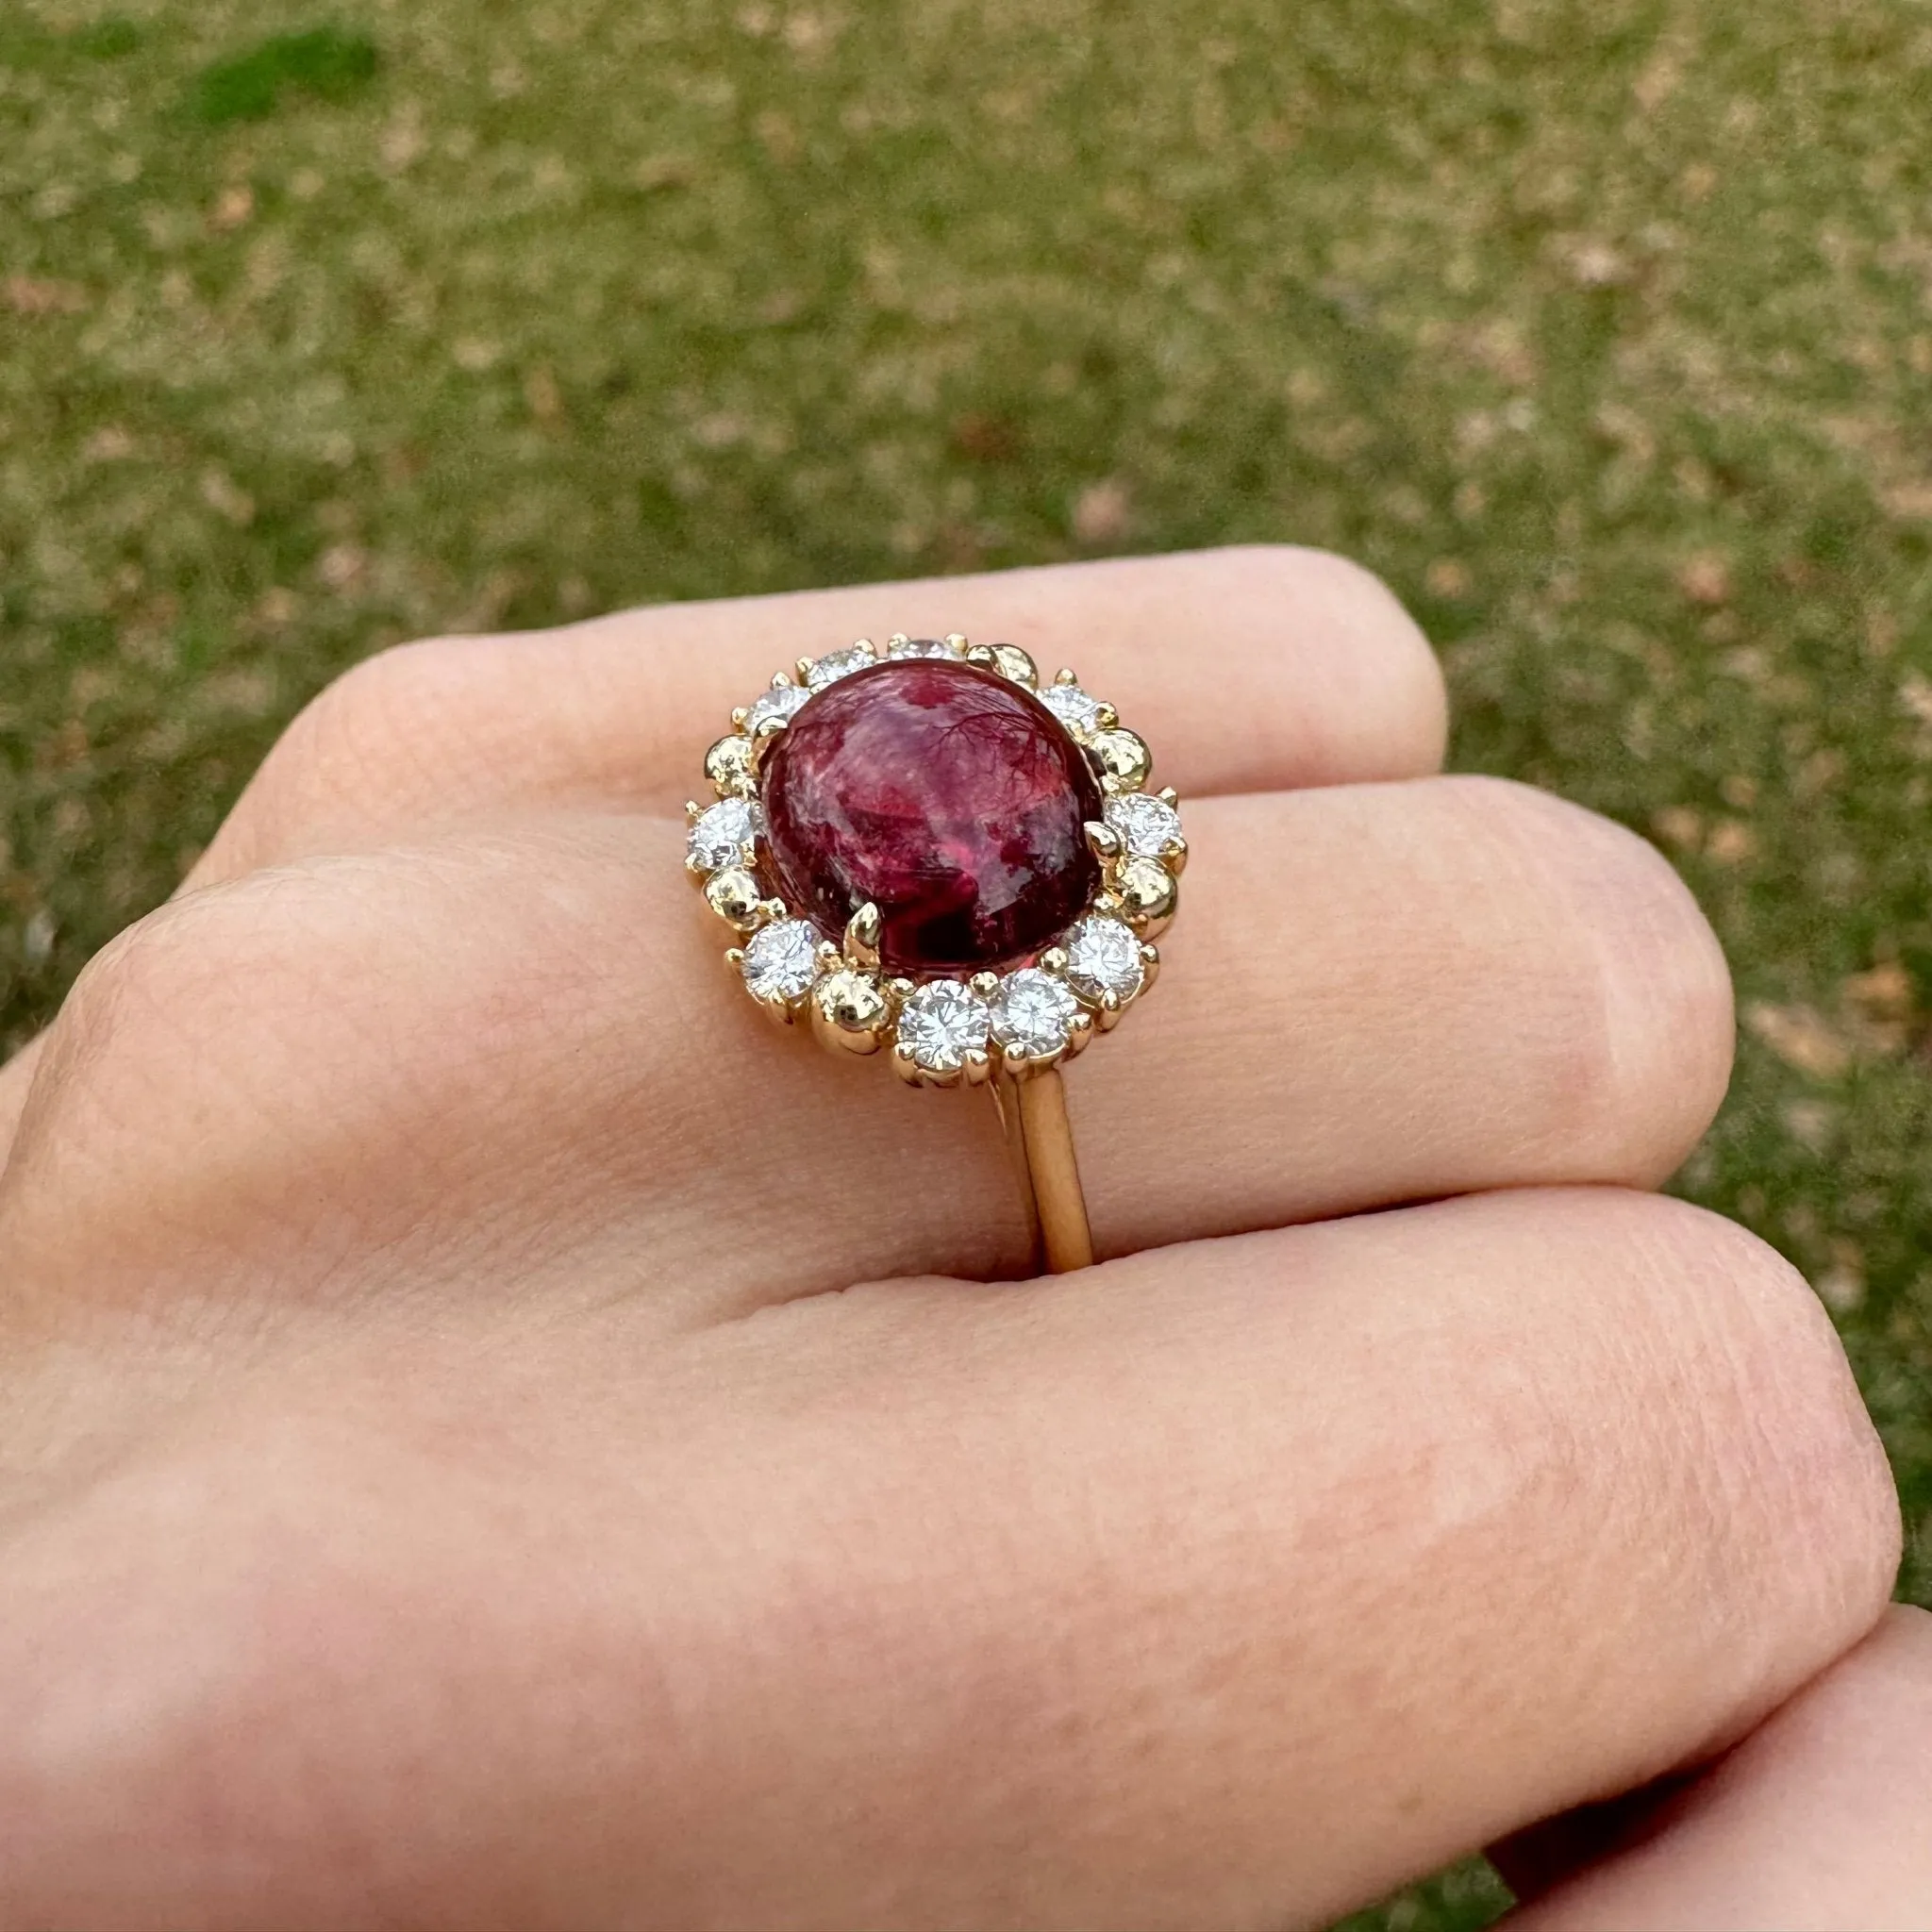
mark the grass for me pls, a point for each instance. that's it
(1604, 331)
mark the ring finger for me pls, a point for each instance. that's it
(522, 1041)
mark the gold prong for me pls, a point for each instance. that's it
(734, 960)
(1064, 676)
(805, 665)
(1080, 1031)
(985, 984)
(1168, 795)
(782, 680)
(696, 871)
(904, 1064)
(1106, 718)
(898, 637)
(692, 811)
(978, 1066)
(1174, 852)
(1150, 964)
(980, 654)
(1107, 1017)
(828, 957)
(1102, 841)
(956, 641)
(1053, 960)
(901, 990)
(739, 714)
(861, 946)
(771, 912)
(770, 729)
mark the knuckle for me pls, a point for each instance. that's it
(1787, 1450)
(1636, 1027)
(379, 734)
(1403, 695)
(146, 973)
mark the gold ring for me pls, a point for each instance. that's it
(923, 851)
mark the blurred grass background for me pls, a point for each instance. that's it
(1604, 331)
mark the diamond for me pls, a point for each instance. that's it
(1143, 823)
(1071, 706)
(719, 836)
(920, 647)
(1103, 956)
(941, 1023)
(781, 702)
(1032, 1013)
(782, 961)
(837, 665)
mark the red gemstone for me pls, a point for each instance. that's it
(950, 798)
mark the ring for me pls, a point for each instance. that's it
(923, 851)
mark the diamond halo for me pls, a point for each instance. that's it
(943, 1029)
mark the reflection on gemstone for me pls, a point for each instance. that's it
(781, 961)
(1032, 1013)
(941, 1023)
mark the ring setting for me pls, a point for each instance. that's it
(922, 852)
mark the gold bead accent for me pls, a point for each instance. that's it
(850, 1011)
(1121, 756)
(1147, 893)
(728, 765)
(735, 897)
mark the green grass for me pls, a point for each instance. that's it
(1604, 331)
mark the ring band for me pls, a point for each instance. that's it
(923, 851)
(1040, 1138)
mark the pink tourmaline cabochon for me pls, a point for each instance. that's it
(949, 797)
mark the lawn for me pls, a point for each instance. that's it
(1603, 331)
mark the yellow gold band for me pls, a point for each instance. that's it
(1039, 1139)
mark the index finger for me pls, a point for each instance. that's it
(1250, 668)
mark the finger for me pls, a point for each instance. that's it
(1317, 676)
(1816, 1824)
(16, 1077)
(1249, 669)
(1445, 986)
(1224, 1587)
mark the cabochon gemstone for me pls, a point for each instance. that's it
(949, 797)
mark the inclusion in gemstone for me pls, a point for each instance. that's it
(945, 795)
(1144, 824)
(720, 834)
(781, 961)
(941, 1023)
(1032, 1013)
(1103, 956)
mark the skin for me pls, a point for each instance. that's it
(491, 1435)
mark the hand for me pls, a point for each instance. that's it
(493, 1435)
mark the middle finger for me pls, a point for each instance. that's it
(521, 1046)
